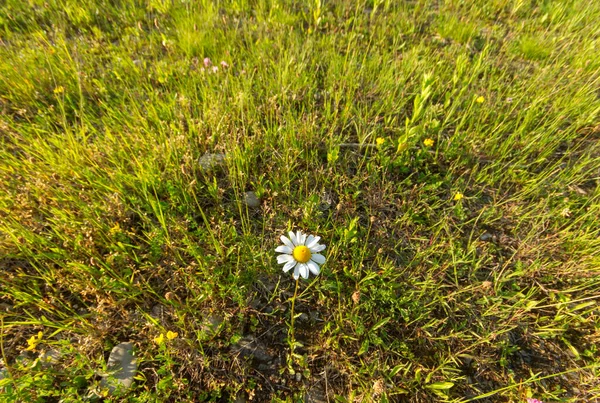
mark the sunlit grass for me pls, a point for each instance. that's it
(448, 156)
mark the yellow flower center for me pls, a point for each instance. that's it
(301, 254)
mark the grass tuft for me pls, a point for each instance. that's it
(447, 154)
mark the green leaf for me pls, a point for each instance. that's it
(364, 347)
(583, 305)
(440, 386)
(381, 323)
(396, 369)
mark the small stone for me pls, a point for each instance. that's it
(486, 237)
(316, 395)
(208, 162)
(251, 200)
(211, 324)
(157, 311)
(266, 283)
(122, 365)
(303, 317)
(255, 303)
(249, 346)
(280, 307)
(298, 376)
(49, 358)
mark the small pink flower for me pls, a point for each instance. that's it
(215, 69)
(224, 64)
(207, 62)
(530, 400)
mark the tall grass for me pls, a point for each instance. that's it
(112, 230)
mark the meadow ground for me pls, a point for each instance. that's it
(447, 152)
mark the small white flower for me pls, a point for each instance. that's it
(301, 252)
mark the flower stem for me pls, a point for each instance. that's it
(291, 333)
(291, 337)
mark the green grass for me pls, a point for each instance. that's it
(111, 231)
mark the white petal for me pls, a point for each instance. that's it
(312, 241)
(300, 237)
(317, 248)
(284, 249)
(287, 267)
(304, 271)
(317, 258)
(284, 258)
(293, 238)
(314, 268)
(286, 241)
(297, 271)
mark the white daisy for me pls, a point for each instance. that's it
(301, 252)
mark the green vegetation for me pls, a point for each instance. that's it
(125, 159)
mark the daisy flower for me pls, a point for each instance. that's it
(300, 252)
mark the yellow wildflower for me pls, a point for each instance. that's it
(428, 142)
(458, 196)
(379, 141)
(33, 341)
(171, 335)
(160, 339)
(59, 90)
(115, 229)
(480, 99)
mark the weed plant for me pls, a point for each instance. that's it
(114, 228)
